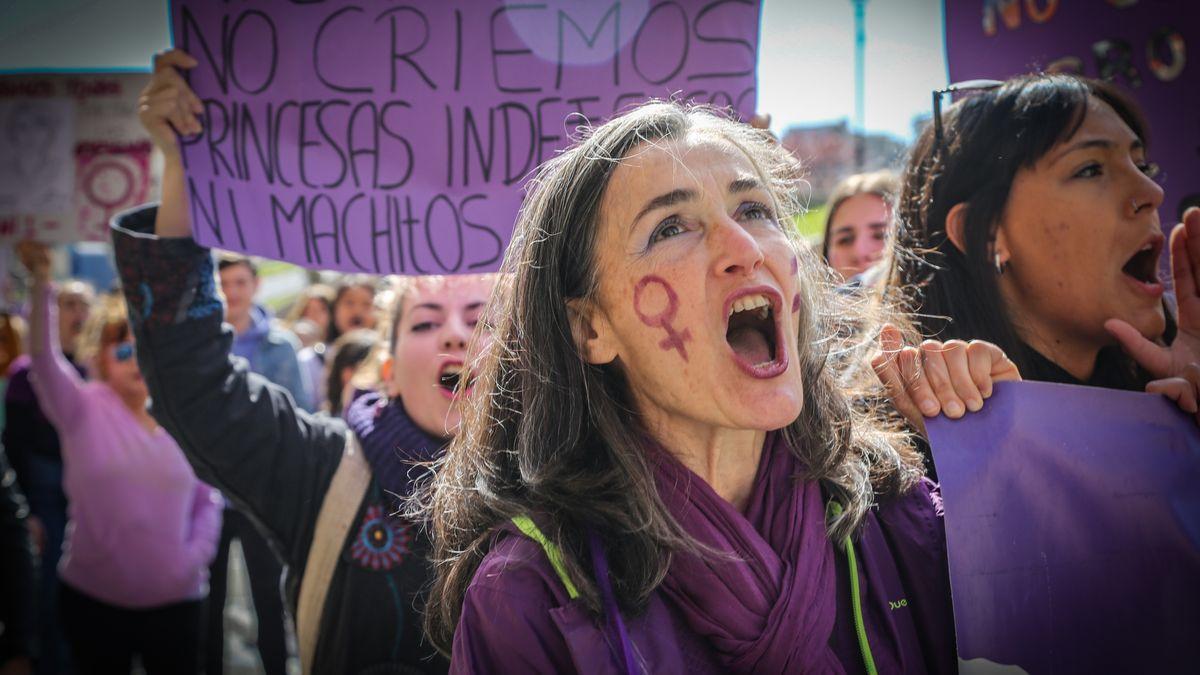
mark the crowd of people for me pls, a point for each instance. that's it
(668, 436)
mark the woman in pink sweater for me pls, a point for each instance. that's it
(143, 529)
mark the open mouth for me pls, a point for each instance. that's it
(753, 333)
(1142, 267)
(454, 380)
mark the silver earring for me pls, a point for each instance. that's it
(999, 265)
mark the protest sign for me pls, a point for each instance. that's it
(71, 155)
(1141, 45)
(1073, 530)
(384, 138)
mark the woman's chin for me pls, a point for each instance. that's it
(770, 414)
(1151, 322)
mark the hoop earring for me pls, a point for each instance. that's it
(1000, 266)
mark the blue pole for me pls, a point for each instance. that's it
(860, 48)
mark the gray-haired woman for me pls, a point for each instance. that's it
(665, 435)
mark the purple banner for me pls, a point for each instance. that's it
(1142, 45)
(1073, 527)
(387, 138)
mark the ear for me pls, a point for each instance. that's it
(592, 332)
(956, 221)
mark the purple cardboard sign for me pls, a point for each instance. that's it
(1073, 529)
(1151, 48)
(396, 138)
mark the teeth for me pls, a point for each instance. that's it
(453, 369)
(1147, 247)
(759, 302)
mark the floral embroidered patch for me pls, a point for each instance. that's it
(382, 542)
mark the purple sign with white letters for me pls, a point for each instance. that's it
(1151, 48)
(1073, 529)
(396, 138)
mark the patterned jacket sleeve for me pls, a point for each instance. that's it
(241, 433)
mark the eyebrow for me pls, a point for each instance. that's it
(664, 200)
(682, 195)
(437, 308)
(744, 185)
(1102, 143)
(877, 225)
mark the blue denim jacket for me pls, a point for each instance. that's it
(271, 352)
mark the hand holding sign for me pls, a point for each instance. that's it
(1184, 390)
(1173, 361)
(167, 106)
(934, 378)
(168, 109)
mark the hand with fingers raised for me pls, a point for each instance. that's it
(35, 257)
(1173, 361)
(936, 378)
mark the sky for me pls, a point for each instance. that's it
(806, 55)
(806, 62)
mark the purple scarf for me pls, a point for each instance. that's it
(773, 610)
(395, 447)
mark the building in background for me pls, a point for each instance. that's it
(827, 152)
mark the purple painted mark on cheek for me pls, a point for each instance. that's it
(795, 265)
(796, 303)
(675, 339)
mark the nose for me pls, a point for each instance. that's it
(869, 250)
(455, 334)
(737, 251)
(1147, 192)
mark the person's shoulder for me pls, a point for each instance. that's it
(508, 622)
(282, 339)
(518, 567)
(508, 613)
(19, 388)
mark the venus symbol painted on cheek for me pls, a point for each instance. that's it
(795, 265)
(666, 298)
(796, 304)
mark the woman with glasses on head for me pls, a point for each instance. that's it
(1029, 218)
(143, 529)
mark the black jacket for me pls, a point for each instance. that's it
(16, 569)
(247, 437)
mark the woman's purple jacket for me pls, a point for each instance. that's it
(518, 618)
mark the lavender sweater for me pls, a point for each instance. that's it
(143, 529)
